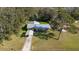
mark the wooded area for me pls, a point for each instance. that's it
(12, 19)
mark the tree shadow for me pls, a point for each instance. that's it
(23, 34)
(24, 28)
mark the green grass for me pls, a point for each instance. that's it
(43, 23)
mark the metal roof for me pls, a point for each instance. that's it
(36, 24)
(42, 26)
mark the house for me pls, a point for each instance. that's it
(31, 24)
(37, 25)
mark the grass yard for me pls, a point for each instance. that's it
(67, 42)
(15, 44)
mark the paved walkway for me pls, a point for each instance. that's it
(28, 42)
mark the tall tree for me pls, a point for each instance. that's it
(62, 19)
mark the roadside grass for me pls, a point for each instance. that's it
(67, 42)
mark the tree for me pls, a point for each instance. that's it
(75, 13)
(62, 19)
(11, 20)
(46, 14)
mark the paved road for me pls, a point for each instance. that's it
(28, 42)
